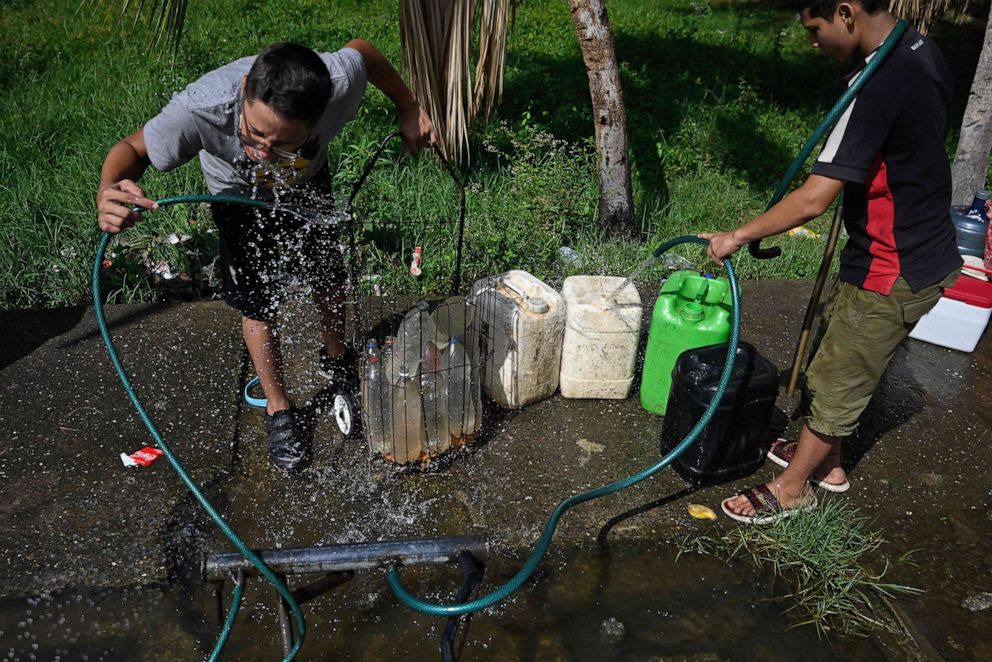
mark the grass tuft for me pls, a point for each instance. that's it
(821, 558)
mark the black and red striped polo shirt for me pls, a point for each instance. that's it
(889, 149)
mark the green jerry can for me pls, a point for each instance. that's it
(692, 311)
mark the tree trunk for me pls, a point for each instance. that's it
(971, 161)
(616, 200)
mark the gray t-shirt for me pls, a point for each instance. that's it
(204, 119)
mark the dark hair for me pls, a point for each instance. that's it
(826, 8)
(292, 80)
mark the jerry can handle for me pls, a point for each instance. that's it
(510, 286)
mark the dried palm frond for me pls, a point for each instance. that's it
(437, 41)
(420, 55)
(167, 19)
(924, 13)
(492, 54)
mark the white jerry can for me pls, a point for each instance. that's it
(520, 321)
(599, 349)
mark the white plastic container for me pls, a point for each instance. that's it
(599, 349)
(960, 316)
(520, 319)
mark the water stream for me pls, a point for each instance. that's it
(612, 297)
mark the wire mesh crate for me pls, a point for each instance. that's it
(420, 373)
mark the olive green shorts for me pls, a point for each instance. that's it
(857, 337)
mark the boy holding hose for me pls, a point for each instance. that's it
(260, 126)
(886, 153)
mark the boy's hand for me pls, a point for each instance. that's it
(721, 244)
(114, 202)
(416, 128)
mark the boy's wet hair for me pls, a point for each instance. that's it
(292, 80)
(826, 8)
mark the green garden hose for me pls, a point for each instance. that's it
(543, 543)
(541, 548)
(232, 615)
(241, 546)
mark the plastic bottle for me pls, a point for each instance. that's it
(389, 391)
(971, 226)
(404, 425)
(388, 344)
(988, 237)
(375, 400)
(408, 439)
(433, 386)
(475, 374)
(415, 329)
(461, 401)
(569, 255)
(674, 262)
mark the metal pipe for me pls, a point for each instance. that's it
(355, 556)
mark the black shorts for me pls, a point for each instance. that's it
(262, 250)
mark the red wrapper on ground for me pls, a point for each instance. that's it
(143, 457)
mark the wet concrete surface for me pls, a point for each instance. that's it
(80, 530)
(70, 513)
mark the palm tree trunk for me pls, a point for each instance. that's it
(971, 161)
(616, 203)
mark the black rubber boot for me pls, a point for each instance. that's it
(289, 448)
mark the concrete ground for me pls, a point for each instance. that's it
(73, 518)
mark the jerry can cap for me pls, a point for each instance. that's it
(537, 305)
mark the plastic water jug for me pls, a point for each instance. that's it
(736, 440)
(691, 311)
(376, 405)
(970, 230)
(599, 347)
(520, 321)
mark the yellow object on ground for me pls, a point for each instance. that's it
(700, 511)
(803, 233)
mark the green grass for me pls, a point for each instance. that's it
(719, 97)
(819, 561)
